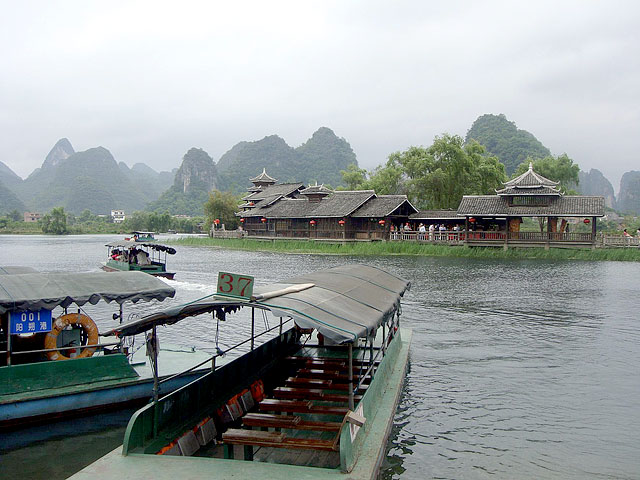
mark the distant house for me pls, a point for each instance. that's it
(31, 217)
(291, 210)
(118, 216)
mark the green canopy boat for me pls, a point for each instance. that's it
(147, 257)
(315, 400)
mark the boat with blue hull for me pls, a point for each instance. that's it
(52, 363)
(315, 400)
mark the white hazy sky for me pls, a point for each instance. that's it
(148, 80)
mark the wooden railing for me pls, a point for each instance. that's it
(458, 237)
(609, 240)
(227, 233)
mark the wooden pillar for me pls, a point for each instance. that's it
(546, 247)
(506, 234)
(466, 230)
(593, 232)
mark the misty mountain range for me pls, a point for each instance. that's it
(93, 180)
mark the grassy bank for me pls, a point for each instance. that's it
(410, 248)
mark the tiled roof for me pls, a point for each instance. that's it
(565, 206)
(263, 178)
(282, 189)
(382, 206)
(338, 204)
(530, 179)
(435, 215)
(522, 191)
(316, 190)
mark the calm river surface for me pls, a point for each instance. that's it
(518, 369)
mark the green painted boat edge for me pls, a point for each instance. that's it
(43, 379)
(136, 466)
(132, 267)
(371, 401)
(225, 382)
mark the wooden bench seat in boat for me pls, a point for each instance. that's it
(334, 375)
(318, 383)
(311, 393)
(259, 438)
(292, 422)
(328, 361)
(299, 406)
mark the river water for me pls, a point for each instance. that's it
(518, 369)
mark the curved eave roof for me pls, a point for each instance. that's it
(343, 303)
(263, 178)
(35, 291)
(565, 206)
(524, 191)
(530, 179)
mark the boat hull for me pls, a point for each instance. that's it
(48, 408)
(364, 460)
(155, 273)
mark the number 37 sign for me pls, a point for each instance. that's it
(235, 285)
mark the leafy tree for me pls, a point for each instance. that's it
(353, 177)
(222, 206)
(15, 215)
(4, 222)
(159, 222)
(55, 222)
(560, 169)
(387, 180)
(438, 176)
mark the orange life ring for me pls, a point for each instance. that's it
(84, 321)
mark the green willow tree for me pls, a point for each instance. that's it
(560, 169)
(221, 206)
(55, 222)
(438, 176)
(353, 177)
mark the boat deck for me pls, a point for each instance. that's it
(267, 461)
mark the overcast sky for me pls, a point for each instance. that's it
(149, 80)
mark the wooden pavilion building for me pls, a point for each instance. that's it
(494, 220)
(291, 210)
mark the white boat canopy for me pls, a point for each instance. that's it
(343, 303)
(35, 291)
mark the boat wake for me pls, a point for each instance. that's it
(204, 288)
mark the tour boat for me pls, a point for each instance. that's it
(316, 399)
(52, 362)
(138, 236)
(148, 257)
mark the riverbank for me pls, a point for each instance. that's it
(412, 248)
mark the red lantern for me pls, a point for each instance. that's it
(312, 223)
(217, 221)
(586, 220)
(242, 220)
(341, 223)
(472, 220)
(251, 203)
(263, 220)
(381, 222)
